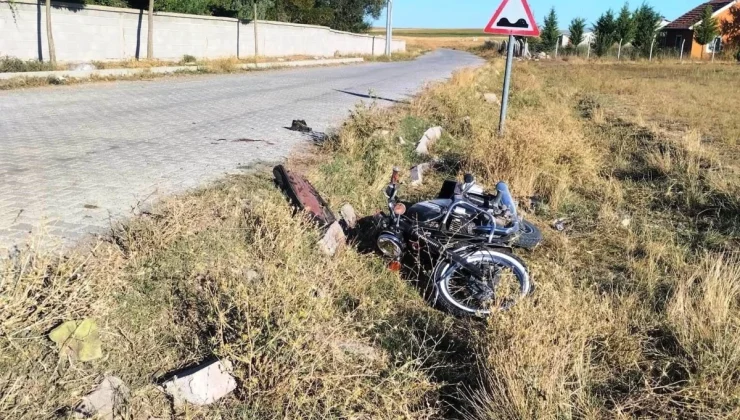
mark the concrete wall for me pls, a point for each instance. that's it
(84, 33)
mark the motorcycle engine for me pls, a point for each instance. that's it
(460, 222)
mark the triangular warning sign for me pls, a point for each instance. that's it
(513, 17)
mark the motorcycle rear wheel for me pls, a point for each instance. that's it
(529, 236)
(462, 295)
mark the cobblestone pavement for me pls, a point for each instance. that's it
(75, 158)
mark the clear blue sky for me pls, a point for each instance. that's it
(477, 13)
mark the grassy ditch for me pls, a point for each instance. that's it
(635, 315)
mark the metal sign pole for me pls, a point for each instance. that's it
(507, 81)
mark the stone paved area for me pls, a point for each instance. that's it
(72, 159)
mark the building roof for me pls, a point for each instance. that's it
(694, 16)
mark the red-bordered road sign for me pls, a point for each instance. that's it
(513, 17)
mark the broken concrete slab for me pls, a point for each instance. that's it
(428, 139)
(417, 173)
(203, 384)
(349, 215)
(107, 400)
(333, 240)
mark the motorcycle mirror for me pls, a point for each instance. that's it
(469, 178)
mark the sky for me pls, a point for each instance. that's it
(477, 13)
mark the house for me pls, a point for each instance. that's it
(588, 37)
(680, 33)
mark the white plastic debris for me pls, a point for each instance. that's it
(202, 385)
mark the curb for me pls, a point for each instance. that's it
(86, 74)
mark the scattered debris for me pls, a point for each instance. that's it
(333, 239)
(349, 215)
(80, 340)
(492, 98)
(626, 222)
(201, 385)
(91, 206)
(303, 195)
(106, 401)
(83, 67)
(57, 80)
(301, 126)
(559, 224)
(428, 139)
(417, 173)
(401, 141)
(245, 140)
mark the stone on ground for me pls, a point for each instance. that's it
(428, 139)
(202, 385)
(349, 215)
(106, 401)
(492, 98)
(333, 239)
(417, 173)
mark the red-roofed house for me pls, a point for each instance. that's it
(680, 32)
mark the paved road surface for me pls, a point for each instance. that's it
(74, 158)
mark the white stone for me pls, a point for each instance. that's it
(202, 385)
(492, 98)
(417, 174)
(333, 240)
(105, 401)
(428, 139)
(349, 215)
(626, 222)
(401, 141)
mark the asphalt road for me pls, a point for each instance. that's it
(74, 158)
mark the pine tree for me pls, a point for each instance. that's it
(707, 30)
(550, 32)
(625, 27)
(577, 28)
(604, 31)
(646, 26)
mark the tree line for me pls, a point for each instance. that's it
(638, 28)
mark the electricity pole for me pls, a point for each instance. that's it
(389, 28)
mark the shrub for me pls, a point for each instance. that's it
(13, 64)
(188, 59)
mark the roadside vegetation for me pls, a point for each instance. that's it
(635, 314)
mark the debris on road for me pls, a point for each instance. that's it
(300, 126)
(79, 340)
(303, 196)
(201, 385)
(333, 240)
(106, 401)
(83, 67)
(428, 139)
(245, 140)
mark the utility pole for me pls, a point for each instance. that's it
(389, 28)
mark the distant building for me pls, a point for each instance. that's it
(680, 33)
(565, 38)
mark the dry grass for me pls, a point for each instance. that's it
(453, 42)
(635, 315)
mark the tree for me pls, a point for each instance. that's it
(604, 32)
(577, 28)
(646, 25)
(550, 32)
(625, 28)
(707, 30)
(50, 35)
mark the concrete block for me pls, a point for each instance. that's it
(428, 139)
(349, 215)
(333, 240)
(106, 400)
(202, 385)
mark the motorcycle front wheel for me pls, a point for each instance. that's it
(506, 282)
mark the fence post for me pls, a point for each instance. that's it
(619, 52)
(682, 46)
(557, 45)
(652, 44)
(256, 40)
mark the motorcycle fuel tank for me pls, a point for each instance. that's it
(427, 211)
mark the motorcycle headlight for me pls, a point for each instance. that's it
(390, 245)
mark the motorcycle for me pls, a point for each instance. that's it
(469, 236)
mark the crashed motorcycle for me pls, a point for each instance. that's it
(469, 236)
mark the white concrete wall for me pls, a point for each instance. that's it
(84, 33)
